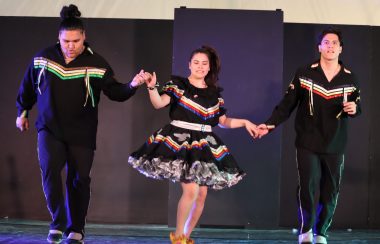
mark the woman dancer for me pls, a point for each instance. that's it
(186, 150)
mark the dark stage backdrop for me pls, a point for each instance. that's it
(250, 47)
(374, 138)
(122, 195)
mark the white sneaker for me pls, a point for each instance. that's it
(306, 237)
(320, 239)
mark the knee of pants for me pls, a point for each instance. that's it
(81, 182)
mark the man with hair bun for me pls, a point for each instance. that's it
(66, 80)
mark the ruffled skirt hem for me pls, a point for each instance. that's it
(201, 173)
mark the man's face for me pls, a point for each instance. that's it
(72, 42)
(330, 47)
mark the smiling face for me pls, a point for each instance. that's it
(199, 66)
(330, 47)
(72, 43)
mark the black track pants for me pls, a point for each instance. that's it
(54, 155)
(318, 173)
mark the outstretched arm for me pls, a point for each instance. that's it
(158, 101)
(263, 129)
(117, 91)
(226, 122)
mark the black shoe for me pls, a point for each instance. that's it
(74, 241)
(54, 238)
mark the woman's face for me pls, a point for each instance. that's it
(199, 65)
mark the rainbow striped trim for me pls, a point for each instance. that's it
(204, 113)
(219, 153)
(173, 89)
(326, 94)
(67, 73)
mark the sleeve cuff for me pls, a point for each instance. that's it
(23, 114)
(132, 87)
(270, 127)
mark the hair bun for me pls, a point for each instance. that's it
(71, 11)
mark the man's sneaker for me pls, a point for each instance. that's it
(54, 236)
(306, 238)
(73, 237)
(73, 241)
(320, 239)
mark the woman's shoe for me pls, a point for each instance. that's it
(189, 241)
(178, 239)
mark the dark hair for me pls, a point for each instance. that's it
(330, 30)
(212, 77)
(70, 16)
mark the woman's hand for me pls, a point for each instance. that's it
(251, 128)
(150, 80)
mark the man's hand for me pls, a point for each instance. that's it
(22, 123)
(140, 78)
(349, 108)
(262, 130)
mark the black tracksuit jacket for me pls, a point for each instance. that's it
(67, 95)
(320, 124)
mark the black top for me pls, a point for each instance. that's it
(192, 104)
(320, 124)
(67, 95)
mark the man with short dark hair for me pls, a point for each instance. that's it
(327, 94)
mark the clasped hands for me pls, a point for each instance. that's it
(144, 77)
(262, 129)
(256, 131)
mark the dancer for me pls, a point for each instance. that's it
(186, 150)
(327, 95)
(65, 81)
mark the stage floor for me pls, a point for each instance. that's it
(33, 232)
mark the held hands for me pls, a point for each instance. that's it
(256, 131)
(151, 80)
(262, 130)
(349, 108)
(145, 77)
(251, 128)
(140, 78)
(22, 123)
